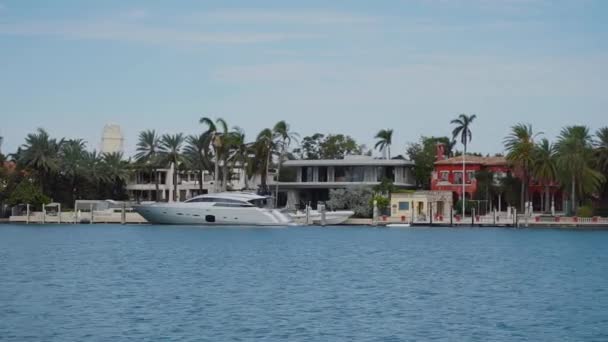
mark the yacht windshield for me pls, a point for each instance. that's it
(261, 202)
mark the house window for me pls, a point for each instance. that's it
(458, 177)
(404, 206)
(339, 174)
(470, 176)
(444, 176)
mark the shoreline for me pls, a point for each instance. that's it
(362, 223)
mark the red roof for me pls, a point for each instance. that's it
(486, 161)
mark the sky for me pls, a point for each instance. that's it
(351, 67)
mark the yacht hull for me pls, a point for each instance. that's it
(184, 214)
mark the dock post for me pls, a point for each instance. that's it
(43, 213)
(307, 214)
(375, 214)
(451, 217)
(473, 217)
(323, 217)
(59, 214)
(123, 215)
(494, 215)
(431, 214)
(27, 213)
(91, 207)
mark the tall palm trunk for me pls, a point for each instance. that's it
(224, 175)
(174, 182)
(464, 180)
(216, 172)
(547, 199)
(276, 192)
(201, 178)
(573, 206)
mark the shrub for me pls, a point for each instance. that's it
(355, 199)
(584, 211)
(467, 207)
(28, 193)
(383, 204)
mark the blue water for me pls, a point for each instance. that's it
(152, 283)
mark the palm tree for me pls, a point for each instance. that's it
(171, 153)
(385, 141)
(574, 159)
(73, 164)
(263, 148)
(95, 174)
(216, 134)
(240, 152)
(544, 168)
(284, 136)
(197, 155)
(463, 129)
(601, 149)
(148, 148)
(40, 153)
(521, 150)
(116, 171)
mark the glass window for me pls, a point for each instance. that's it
(339, 174)
(458, 177)
(470, 176)
(444, 176)
(404, 206)
(322, 174)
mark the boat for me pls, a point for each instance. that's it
(225, 208)
(398, 225)
(314, 217)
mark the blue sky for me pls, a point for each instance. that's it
(349, 67)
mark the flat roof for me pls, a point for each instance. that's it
(349, 161)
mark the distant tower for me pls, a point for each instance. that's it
(112, 139)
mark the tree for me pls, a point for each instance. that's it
(40, 153)
(601, 149)
(171, 153)
(240, 153)
(463, 129)
(116, 172)
(216, 134)
(27, 193)
(198, 156)
(310, 147)
(544, 168)
(264, 147)
(284, 137)
(521, 148)
(338, 146)
(357, 199)
(424, 156)
(574, 159)
(385, 140)
(148, 149)
(73, 162)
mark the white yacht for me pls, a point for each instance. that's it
(226, 208)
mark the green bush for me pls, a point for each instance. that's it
(383, 204)
(584, 211)
(467, 207)
(355, 199)
(28, 193)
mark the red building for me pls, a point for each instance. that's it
(448, 176)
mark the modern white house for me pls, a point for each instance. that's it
(141, 186)
(313, 179)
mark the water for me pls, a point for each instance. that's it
(118, 283)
